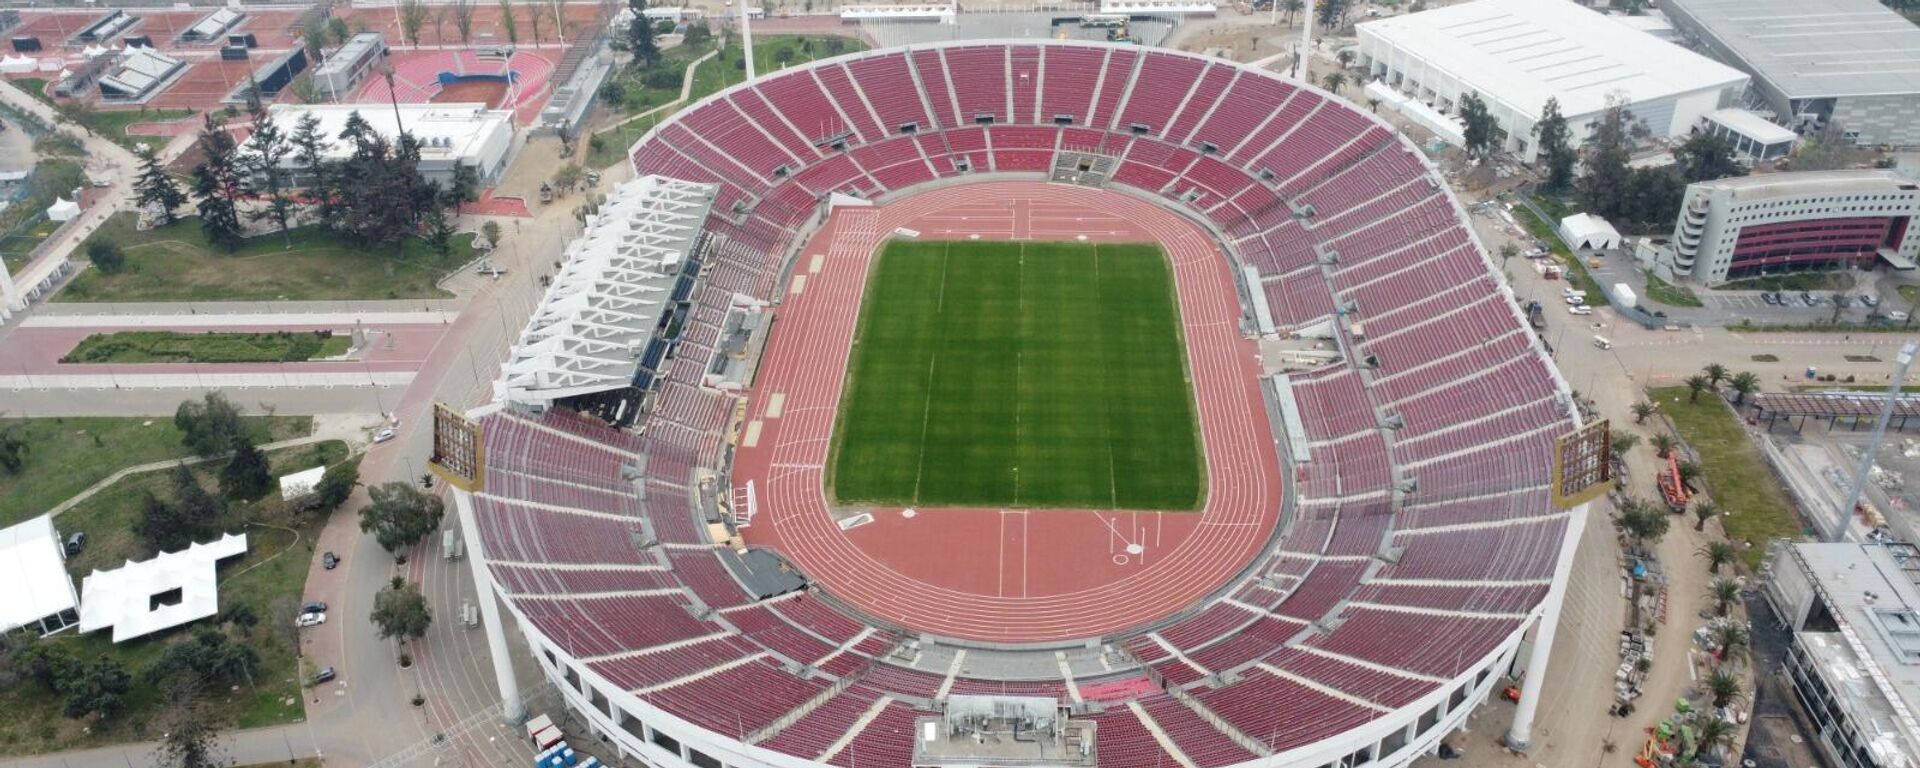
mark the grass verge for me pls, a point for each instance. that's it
(1544, 232)
(1669, 294)
(1794, 281)
(208, 347)
(1755, 508)
(175, 263)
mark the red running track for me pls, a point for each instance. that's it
(1009, 576)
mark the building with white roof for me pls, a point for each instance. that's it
(171, 589)
(138, 74)
(1517, 54)
(33, 565)
(1752, 225)
(449, 134)
(1752, 136)
(345, 68)
(1854, 659)
(1853, 62)
(603, 327)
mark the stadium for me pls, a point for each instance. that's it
(1036, 403)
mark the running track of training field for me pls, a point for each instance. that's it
(1008, 576)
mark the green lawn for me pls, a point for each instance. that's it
(208, 347)
(269, 580)
(1019, 375)
(1669, 294)
(23, 225)
(1544, 232)
(175, 263)
(1756, 509)
(1793, 281)
(67, 455)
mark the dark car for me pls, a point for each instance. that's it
(325, 674)
(329, 560)
(76, 542)
(314, 607)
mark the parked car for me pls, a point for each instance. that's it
(1869, 301)
(1576, 300)
(382, 436)
(310, 620)
(1897, 316)
(326, 674)
(1580, 309)
(314, 607)
(329, 560)
(76, 541)
(1770, 299)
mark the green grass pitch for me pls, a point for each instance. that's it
(1022, 375)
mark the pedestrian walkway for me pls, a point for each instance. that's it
(334, 319)
(201, 381)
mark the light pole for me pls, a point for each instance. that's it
(1902, 362)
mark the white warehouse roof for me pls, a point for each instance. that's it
(1813, 48)
(459, 131)
(1522, 52)
(592, 325)
(33, 566)
(134, 599)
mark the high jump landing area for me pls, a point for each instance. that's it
(1007, 575)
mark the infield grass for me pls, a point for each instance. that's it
(1023, 375)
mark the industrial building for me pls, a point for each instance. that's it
(138, 74)
(1854, 614)
(1751, 136)
(1517, 54)
(1852, 62)
(449, 134)
(1743, 227)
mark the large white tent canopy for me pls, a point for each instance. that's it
(33, 568)
(171, 589)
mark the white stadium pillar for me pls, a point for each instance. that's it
(511, 706)
(1520, 734)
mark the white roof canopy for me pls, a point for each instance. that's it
(1585, 230)
(594, 323)
(33, 568)
(171, 589)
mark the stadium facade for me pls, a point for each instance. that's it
(1517, 54)
(1742, 227)
(1855, 63)
(1419, 565)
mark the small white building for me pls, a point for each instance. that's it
(345, 68)
(62, 210)
(39, 594)
(1517, 54)
(1587, 231)
(450, 134)
(1752, 136)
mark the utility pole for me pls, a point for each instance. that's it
(1901, 363)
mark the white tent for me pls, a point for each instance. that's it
(14, 65)
(171, 589)
(63, 209)
(1585, 230)
(300, 484)
(33, 566)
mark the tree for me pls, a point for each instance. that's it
(698, 35)
(1714, 736)
(1605, 186)
(337, 484)
(1723, 592)
(1689, 471)
(1641, 522)
(74, 112)
(1704, 511)
(1621, 442)
(1715, 373)
(646, 51)
(508, 24)
(439, 233)
(401, 611)
(1332, 13)
(491, 231)
(568, 176)
(462, 13)
(190, 736)
(465, 187)
(13, 451)
(208, 426)
(1555, 146)
(1717, 553)
(1292, 7)
(217, 185)
(1641, 410)
(106, 256)
(193, 515)
(533, 18)
(1508, 251)
(155, 188)
(95, 686)
(210, 659)
(263, 172)
(1695, 385)
(1481, 131)
(1344, 57)
(1333, 81)
(1723, 687)
(399, 515)
(314, 39)
(1663, 444)
(337, 31)
(1730, 640)
(1743, 384)
(1652, 195)
(246, 476)
(1707, 156)
(413, 15)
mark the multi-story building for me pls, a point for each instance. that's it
(1743, 227)
(1852, 62)
(1517, 54)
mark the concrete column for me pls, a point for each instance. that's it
(9, 293)
(1520, 734)
(513, 709)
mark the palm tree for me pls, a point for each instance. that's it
(1345, 58)
(1714, 736)
(1641, 410)
(1373, 105)
(1702, 512)
(1623, 442)
(1716, 373)
(1689, 472)
(1724, 592)
(1292, 7)
(1731, 640)
(1744, 383)
(1723, 687)
(1663, 443)
(1718, 553)
(1333, 82)
(1695, 385)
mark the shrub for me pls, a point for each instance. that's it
(107, 257)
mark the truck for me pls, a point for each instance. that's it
(1625, 295)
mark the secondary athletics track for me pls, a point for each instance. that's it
(1009, 576)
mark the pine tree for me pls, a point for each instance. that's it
(1556, 147)
(263, 171)
(1604, 188)
(646, 52)
(217, 185)
(246, 475)
(310, 148)
(156, 187)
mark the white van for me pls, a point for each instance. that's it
(1602, 342)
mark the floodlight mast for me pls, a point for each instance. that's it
(1902, 361)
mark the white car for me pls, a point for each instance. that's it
(310, 620)
(1576, 300)
(1897, 316)
(383, 436)
(1580, 309)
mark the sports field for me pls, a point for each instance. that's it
(1022, 375)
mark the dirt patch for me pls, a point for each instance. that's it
(489, 92)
